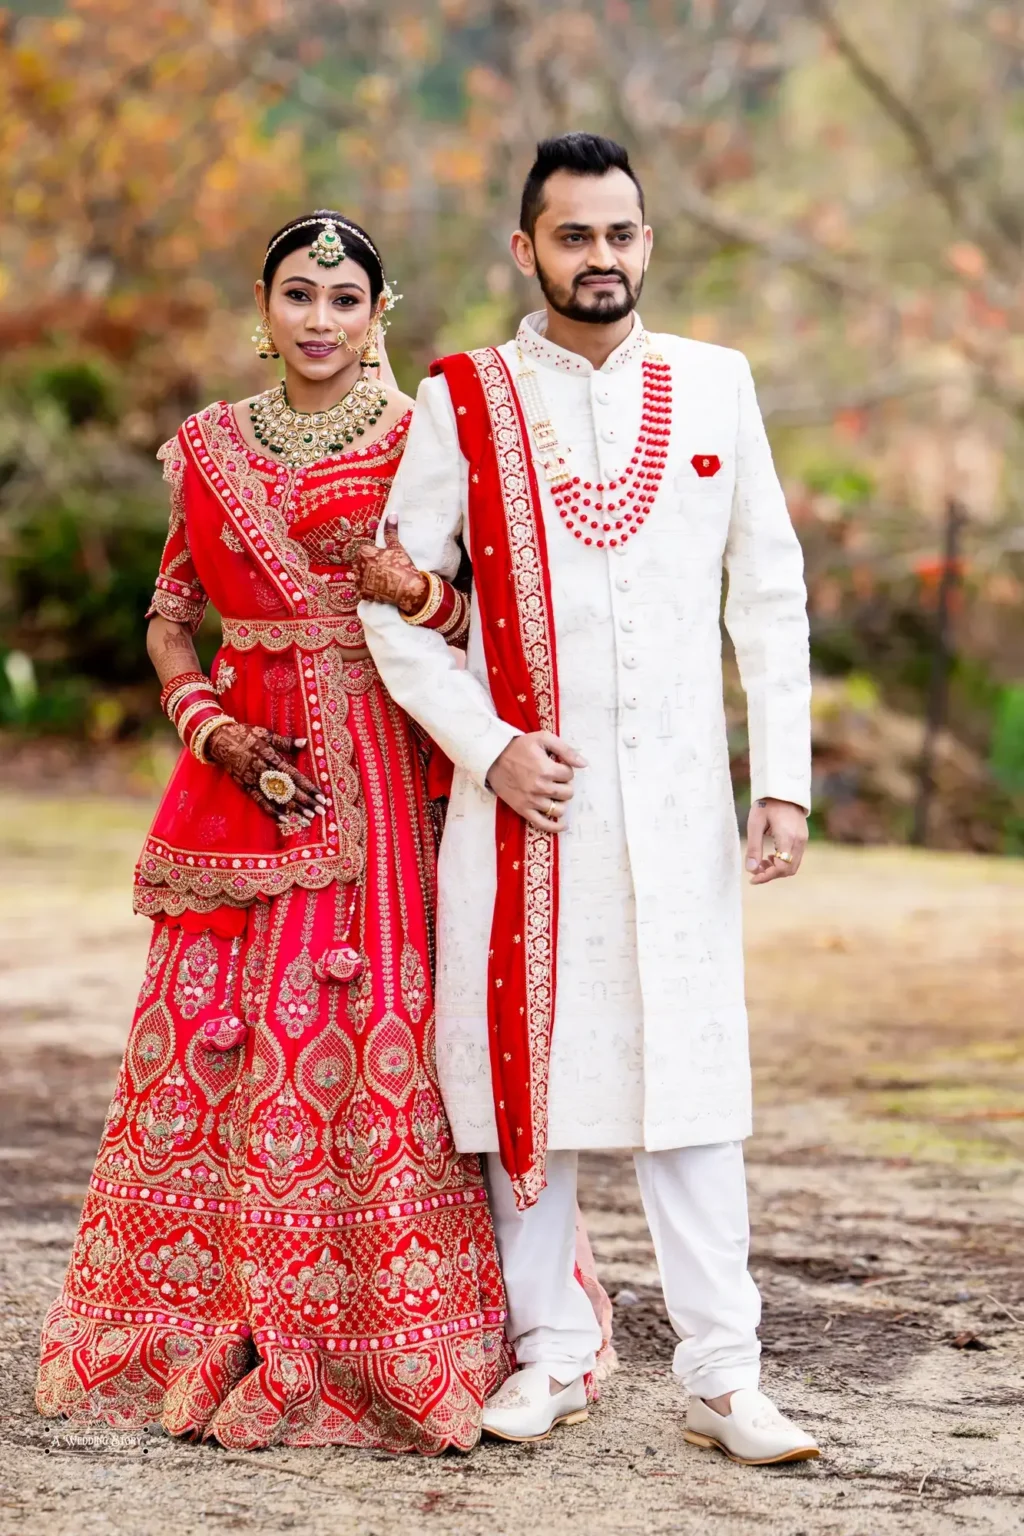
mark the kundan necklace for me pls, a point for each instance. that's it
(581, 504)
(301, 438)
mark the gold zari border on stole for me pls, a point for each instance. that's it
(538, 647)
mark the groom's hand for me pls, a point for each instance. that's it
(534, 776)
(786, 825)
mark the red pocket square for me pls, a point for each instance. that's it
(706, 464)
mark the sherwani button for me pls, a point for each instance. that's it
(623, 583)
(631, 660)
(610, 434)
(627, 625)
(630, 739)
(602, 397)
(630, 701)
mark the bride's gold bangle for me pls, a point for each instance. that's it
(203, 731)
(433, 602)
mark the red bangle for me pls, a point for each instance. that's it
(179, 682)
(180, 701)
(456, 631)
(445, 608)
(204, 710)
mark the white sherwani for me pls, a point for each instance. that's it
(650, 1036)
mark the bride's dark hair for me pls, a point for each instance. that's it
(300, 232)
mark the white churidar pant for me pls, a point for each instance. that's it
(695, 1199)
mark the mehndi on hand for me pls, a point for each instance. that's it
(255, 758)
(388, 575)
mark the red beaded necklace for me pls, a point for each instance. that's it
(581, 504)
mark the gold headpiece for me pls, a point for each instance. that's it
(327, 248)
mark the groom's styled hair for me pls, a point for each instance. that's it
(584, 154)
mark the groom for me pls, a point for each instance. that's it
(590, 974)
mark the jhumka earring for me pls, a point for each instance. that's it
(369, 357)
(263, 341)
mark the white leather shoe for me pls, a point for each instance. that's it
(755, 1433)
(525, 1408)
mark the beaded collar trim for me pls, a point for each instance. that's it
(533, 343)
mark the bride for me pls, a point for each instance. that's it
(280, 1243)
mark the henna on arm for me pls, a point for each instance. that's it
(171, 649)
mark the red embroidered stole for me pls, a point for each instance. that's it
(513, 591)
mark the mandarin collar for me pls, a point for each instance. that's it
(533, 343)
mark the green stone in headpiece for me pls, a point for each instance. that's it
(327, 250)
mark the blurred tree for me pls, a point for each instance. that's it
(836, 187)
(134, 167)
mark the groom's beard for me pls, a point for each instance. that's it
(599, 308)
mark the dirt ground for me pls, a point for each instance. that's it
(887, 1202)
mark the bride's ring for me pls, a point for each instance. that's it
(787, 858)
(277, 786)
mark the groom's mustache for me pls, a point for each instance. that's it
(596, 272)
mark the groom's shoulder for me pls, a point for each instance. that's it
(709, 359)
(454, 366)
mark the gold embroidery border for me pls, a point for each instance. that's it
(174, 475)
(163, 883)
(205, 438)
(522, 518)
(281, 634)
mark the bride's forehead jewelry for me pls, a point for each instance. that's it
(328, 250)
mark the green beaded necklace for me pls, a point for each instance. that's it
(301, 439)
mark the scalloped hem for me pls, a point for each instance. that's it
(424, 1401)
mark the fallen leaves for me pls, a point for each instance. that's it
(968, 1340)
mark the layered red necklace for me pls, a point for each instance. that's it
(582, 504)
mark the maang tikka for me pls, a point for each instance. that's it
(327, 249)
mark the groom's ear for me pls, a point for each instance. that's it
(521, 247)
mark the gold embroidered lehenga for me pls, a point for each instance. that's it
(280, 1243)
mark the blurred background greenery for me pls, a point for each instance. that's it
(836, 188)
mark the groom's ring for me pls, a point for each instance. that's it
(552, 810)
(277, 786)
(787, 858)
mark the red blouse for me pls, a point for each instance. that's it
(271, 548)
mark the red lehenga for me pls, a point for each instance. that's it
(280, 1243)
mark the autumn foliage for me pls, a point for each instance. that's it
(837, 187)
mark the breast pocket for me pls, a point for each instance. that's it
(704, 501)
(703, 473)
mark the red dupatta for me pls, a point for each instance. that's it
(513, 591)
